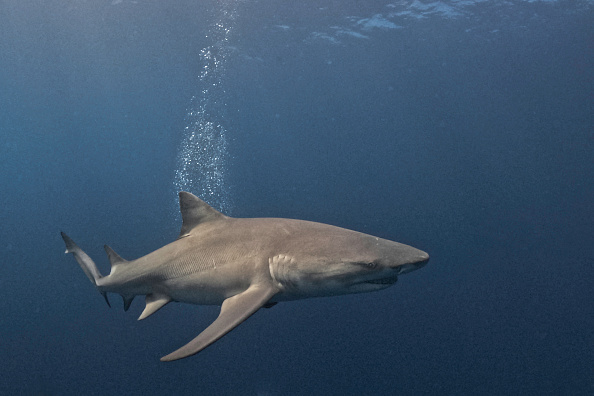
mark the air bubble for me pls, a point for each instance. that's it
(203, 156)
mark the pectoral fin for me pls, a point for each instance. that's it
(234, 310)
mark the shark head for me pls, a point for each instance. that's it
(345, 262)
(386, 260)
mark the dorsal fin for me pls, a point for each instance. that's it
(114, 258)
(194, 212)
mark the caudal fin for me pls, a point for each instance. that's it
(85, 262)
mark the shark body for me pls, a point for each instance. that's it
(246, 264)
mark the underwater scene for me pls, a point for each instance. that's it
(459, 128)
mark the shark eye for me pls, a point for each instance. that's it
(368, 265)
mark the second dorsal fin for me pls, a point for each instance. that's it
(194, 212)
(114, 258)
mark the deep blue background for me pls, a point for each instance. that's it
(470, 136)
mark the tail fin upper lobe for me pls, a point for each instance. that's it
(85, 262)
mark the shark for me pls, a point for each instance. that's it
(244, 264)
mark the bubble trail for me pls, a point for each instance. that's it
(203, 152)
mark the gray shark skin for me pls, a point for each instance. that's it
(246, 264)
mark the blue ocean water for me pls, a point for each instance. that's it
(463, 128)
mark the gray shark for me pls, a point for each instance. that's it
(246, 264)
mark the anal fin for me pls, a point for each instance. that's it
(127, 300)
(154, 302)
(234, 311)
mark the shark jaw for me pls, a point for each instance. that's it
(383, 281)
(403, 269)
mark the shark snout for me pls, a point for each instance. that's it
(418, 261)
(423, 258)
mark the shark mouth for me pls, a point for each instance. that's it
(406, 268)
(383, 281)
